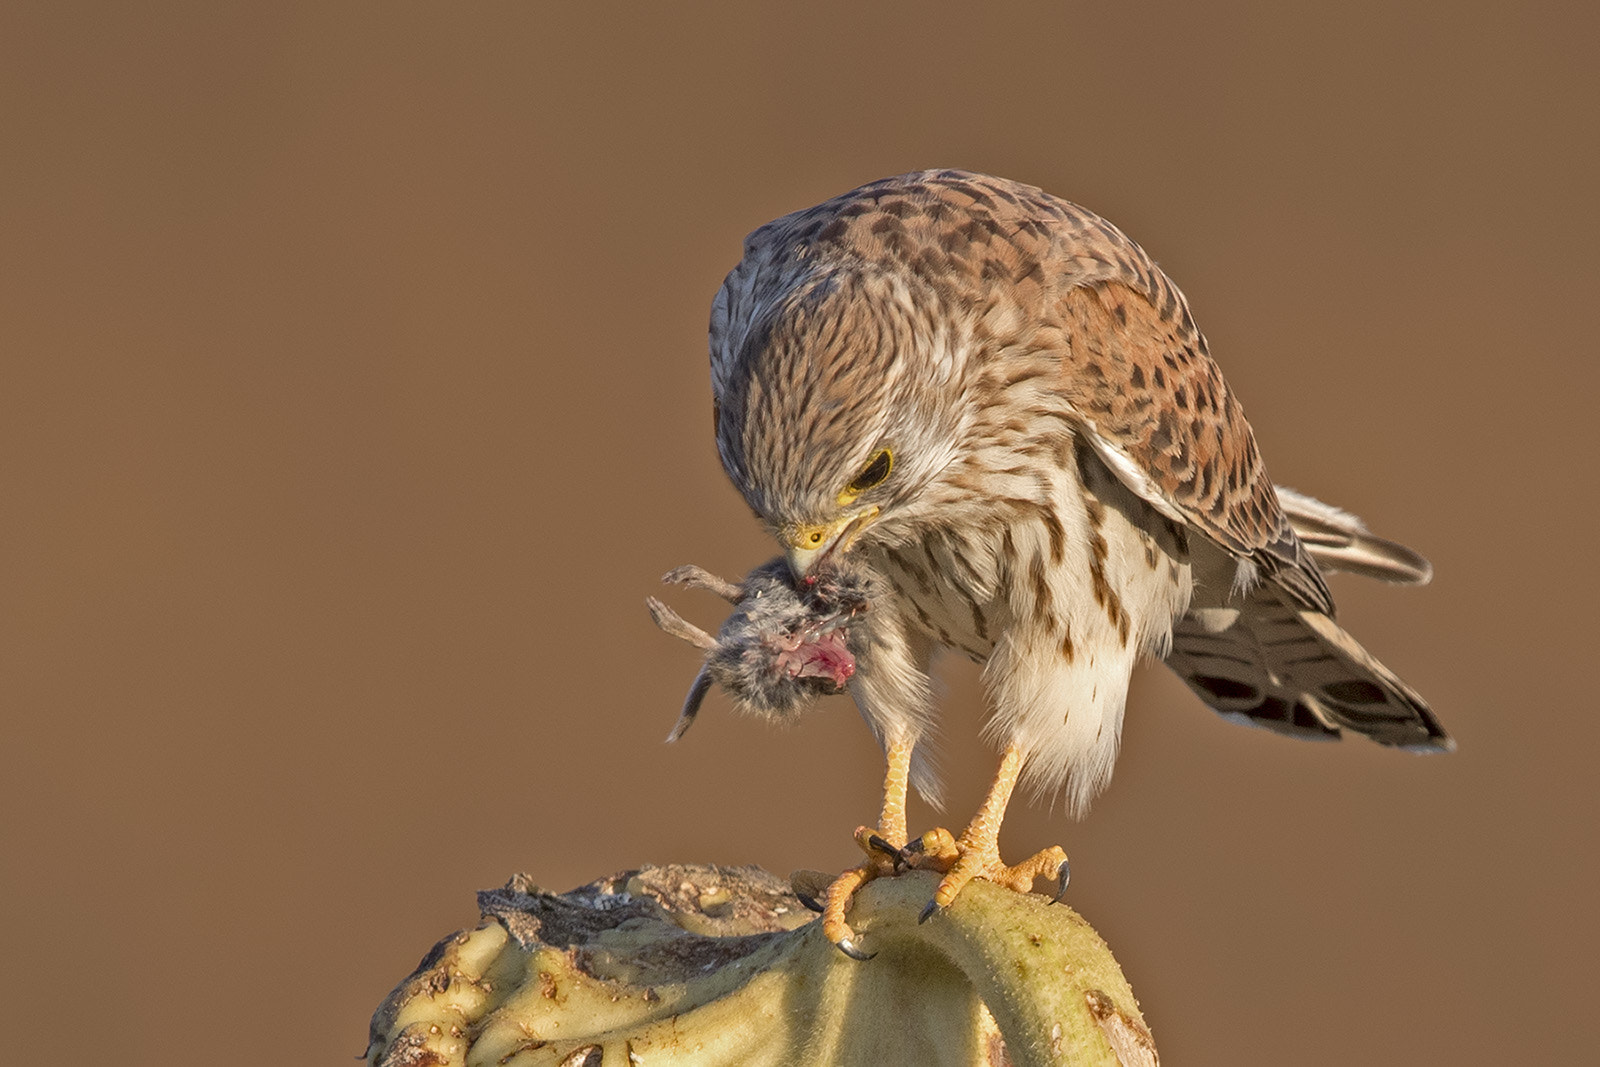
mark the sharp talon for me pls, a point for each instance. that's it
(927, 913)
(849, 949)
(913, 848)
(898, 855)
(1063, 876)
(811, 889)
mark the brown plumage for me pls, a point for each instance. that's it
(996, 401)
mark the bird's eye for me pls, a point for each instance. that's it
(872, 474)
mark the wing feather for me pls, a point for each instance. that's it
(1158, 412)
(1339, 541)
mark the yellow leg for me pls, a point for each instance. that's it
(977, 853)
(892, 820)
(891, 829)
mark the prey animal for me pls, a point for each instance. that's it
(786, 643)
(996, 404)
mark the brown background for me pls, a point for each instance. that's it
(355, 395)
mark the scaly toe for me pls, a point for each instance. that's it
(935, 850)
(1048, 863)
(897, 856)
(884, 858)
(969, 866)
(890, 858)
(836, 901)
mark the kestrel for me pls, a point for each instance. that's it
(999, 406)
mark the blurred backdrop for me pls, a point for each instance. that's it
(353, 372)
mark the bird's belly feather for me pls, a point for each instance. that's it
(1058, 601)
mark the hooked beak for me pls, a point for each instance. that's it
(807, 547)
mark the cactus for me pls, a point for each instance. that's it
(665, 966)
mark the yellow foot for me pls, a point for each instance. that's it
(962, 861)
(884, 857)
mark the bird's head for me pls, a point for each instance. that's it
(834, 529)
(828, 419)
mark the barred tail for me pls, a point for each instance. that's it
(1265, 662)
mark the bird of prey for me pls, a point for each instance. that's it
(996, 404)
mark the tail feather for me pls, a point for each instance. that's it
(1265, 662)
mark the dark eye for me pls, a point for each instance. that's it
(872, 474)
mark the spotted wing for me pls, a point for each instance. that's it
(1159, 414)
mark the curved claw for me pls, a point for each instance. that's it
(810, 887)
(902, 862)
(848, 947)
(1063, 876)
(928, 912)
